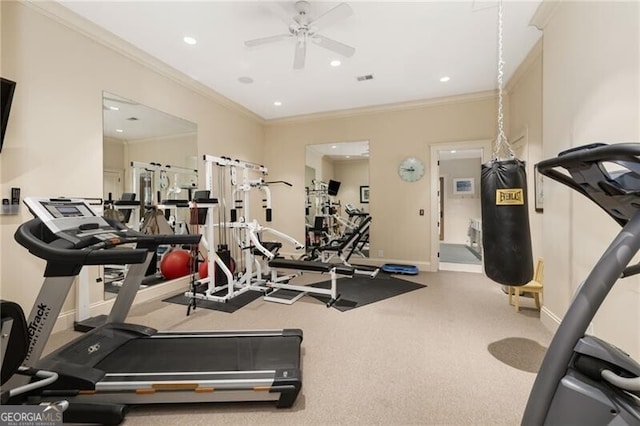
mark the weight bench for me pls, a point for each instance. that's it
(289, 293)
(345, 247)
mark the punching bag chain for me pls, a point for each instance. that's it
(501, 141)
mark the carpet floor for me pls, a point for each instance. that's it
(452, 353)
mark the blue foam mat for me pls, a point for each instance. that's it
(400, 269)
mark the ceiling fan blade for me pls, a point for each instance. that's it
(265, 40)
(282, 11)
(338, 13)
(300, 53)
(334, 46)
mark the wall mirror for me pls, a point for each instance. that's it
(148, 156)
(336, 193)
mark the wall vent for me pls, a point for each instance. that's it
(365, 77)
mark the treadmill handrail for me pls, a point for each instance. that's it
(53, 252)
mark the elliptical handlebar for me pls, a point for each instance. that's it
(615, 189)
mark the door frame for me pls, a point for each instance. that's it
(485, 146)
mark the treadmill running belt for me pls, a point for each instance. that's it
(195, 354)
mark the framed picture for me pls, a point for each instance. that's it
(537, 187)
(464, 186)
(364, 194)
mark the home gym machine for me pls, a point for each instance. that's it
(233, 269)
(584, 380)
(116, 363)
(241, 178)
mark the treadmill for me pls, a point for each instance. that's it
(120, 363)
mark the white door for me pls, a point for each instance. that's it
(112, 183)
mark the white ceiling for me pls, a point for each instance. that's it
(406, 46)
(124, 119)
(342, 150)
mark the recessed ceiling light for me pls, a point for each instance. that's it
(347, 156)
(445, 79)
(119, 130)
(245, 80)
(335, 63)
(333, 146)
(277, 103)
(114, 108)
(190, 40)
(453, 151)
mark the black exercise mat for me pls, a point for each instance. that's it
(230, 306)
(360, 291)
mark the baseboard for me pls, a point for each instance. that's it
(66, 320)
(460, 267)
(551, 321)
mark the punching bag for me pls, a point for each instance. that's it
(506, 238)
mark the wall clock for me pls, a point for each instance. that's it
(411, 169)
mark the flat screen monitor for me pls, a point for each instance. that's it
(6, 96)
(333, 187)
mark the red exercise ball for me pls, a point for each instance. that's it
(175, 264)
(203, 269)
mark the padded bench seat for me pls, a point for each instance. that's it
(310, 265)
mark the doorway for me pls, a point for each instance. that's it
(113, 184)
(456, 169)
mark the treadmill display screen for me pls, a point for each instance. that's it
(67, 210)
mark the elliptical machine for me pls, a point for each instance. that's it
(584, 380)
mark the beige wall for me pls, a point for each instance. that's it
(398, 232)
(53, 144)
(178, 150)
(113, 155)
(525, 130)
(591, 94)
(351, 175)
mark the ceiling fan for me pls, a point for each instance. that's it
(304, 29)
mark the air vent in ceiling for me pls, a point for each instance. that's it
(133, 118)
(365, 77)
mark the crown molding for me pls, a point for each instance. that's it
(543, 14)
(402, 106)
(77, 23)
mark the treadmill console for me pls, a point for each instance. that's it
(71, 219)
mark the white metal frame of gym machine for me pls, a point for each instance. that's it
(244, 231)
(247, 235)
